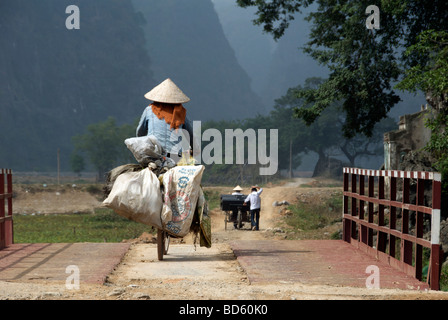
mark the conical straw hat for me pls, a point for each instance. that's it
(167, 92)
(237, 188)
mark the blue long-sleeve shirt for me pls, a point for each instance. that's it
(169, 138)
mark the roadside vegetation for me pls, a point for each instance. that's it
(103, 225)
(213, 198)
(315, 219)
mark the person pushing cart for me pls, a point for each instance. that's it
(255, 206)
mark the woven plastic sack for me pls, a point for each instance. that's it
(145, 149)
(182, 186)
(205, 222)
(137, 196)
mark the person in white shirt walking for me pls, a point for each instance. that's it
(255, 206)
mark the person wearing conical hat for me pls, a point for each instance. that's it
(166, 117)
(237, 191)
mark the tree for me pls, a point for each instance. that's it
(289, 131)
(360, 146)
(77, 163)
(104, 144)
(364, 64)
(324, 136)
(430, 77)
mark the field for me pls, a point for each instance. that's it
(101, 226)
(68, 213)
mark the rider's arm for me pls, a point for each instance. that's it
(142, 128)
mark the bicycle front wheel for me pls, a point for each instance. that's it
(160, 244)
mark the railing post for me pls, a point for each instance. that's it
(406, 246)
(419, 228)
(2, 210)
(6, 223)
(392, 215)
(362, 229)
(9, 223)
(354, 208)
(382, 237)
(436, 252)
(371, 208)
(346, 224)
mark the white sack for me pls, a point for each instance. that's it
(182, 186)
(145, 149)
(137, 196)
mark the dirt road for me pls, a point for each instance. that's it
(190, 272)
(200, 273)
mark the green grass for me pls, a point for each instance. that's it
(213, 199)
(102, 226)
(311, 217)
(443, 282)
(444, 279)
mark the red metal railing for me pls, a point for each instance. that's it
(6, 223)
(401, 229)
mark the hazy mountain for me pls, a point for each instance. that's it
(186, 43)
(290, 66)
(274, 66)
(253, 48)
(55, 81)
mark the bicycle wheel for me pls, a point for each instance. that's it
(226, 219)
(167, 242)
(240, 219)
(160, 244)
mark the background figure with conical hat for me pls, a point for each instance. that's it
(236, 192)
(166, 118)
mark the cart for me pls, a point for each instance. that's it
(235, 210)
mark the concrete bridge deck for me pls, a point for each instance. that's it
(49, 261)
(325, 262)
(317, 262)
